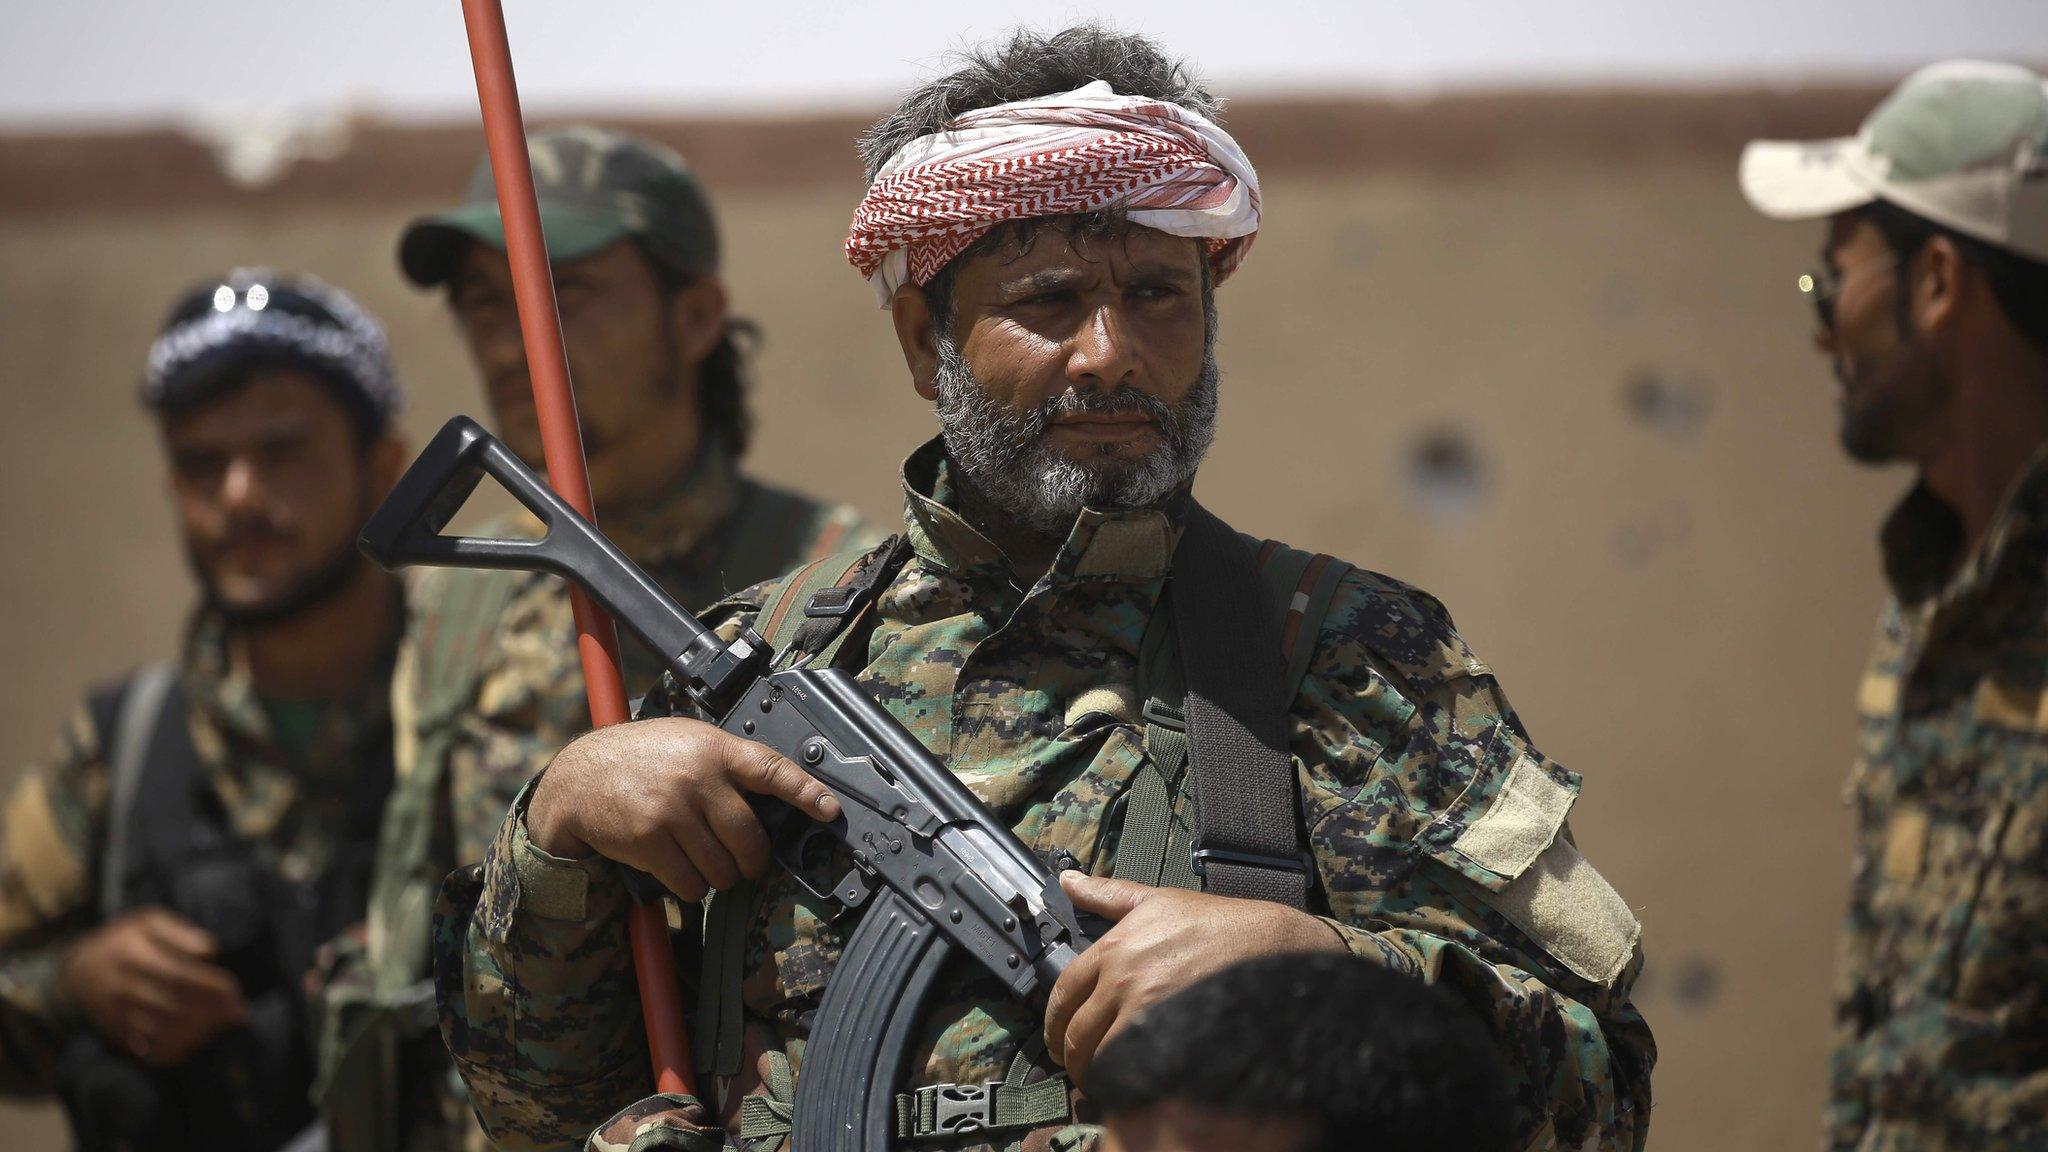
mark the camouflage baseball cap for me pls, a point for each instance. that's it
(595, 187)
(1962, 143)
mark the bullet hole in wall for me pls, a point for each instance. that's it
(1673, 406)
(1639, 538)
(1692, 982)
(1445, 472)
(1696, 982)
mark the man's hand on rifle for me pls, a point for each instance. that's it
(1164, 940)
(147, 982)
(669, 797)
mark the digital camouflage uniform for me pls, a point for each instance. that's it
(1942, 1018)
(472, 732)
(1437, 831)
(55, 831)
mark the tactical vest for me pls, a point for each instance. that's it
(376, 1016)
(171, 844)
(1246, 841)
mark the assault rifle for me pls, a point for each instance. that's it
(935, 869)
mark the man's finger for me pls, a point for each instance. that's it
(1091, 1024)
(147, 999)
(1107, 897)
(667, 862)
(758, 768)
(174, 933)
(190, 981)
(1069, 992)
(706, 853)
(737, 827)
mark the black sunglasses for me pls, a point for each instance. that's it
(1823, 286)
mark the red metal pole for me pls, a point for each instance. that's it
(597, 641)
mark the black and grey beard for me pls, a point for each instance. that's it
(1887, 402)
(1004, 455)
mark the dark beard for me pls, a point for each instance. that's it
(323, 584)
(1004, 456)
(1885, 403)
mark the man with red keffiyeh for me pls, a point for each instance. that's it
(1046, 227)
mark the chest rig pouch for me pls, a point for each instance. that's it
(1213, 808)
(172, 844)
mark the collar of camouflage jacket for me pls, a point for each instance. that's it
(1922, 541)
(670, 525)
(1127, 546)
(257, 781)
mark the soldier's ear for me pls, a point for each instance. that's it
(914, 331)
(698, 310)
(384, 462)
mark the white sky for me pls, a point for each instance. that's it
(82, 62)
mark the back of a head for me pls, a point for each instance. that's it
(1370, 1057)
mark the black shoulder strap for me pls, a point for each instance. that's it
(164, 817)
(1247, 836)
(833, 612)
(142, 731)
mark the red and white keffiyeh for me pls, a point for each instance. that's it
(1075, 152)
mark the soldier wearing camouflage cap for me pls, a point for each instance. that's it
(1932, 303)
(488, 683)
(1047, 228)
(204, 824)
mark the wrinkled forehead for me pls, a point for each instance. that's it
(1086, 246)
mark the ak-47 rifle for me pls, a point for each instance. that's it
(934, 867)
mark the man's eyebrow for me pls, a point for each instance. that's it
(1053, 279)
(1155, 273)
(1042, 280)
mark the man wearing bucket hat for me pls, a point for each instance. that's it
(1932, 300)
(488, 683)
(204, 824)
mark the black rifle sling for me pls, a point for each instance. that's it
(1247, 836)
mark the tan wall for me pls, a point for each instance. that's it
(1678, 607)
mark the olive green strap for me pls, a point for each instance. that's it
(765, 1120)
(1144, 853)
(1152, 841)
(450, 652)
(721, 1013)
(948, 1110)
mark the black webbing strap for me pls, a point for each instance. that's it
(831, 611)
(1247, 840)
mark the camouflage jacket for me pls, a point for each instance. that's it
(1942, 1014)
(1437, 831)
(475, 728)
(55, 830)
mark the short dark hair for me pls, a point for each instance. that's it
(1026, 66)
(2018, 284)
(1370, 1057)
(366, 423)
(721, 375)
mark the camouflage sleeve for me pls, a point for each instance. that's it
(1440, 840)
(535, 983)
(537, 998)
(525, 702)
(54, 824)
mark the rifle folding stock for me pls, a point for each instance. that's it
(937, 870)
